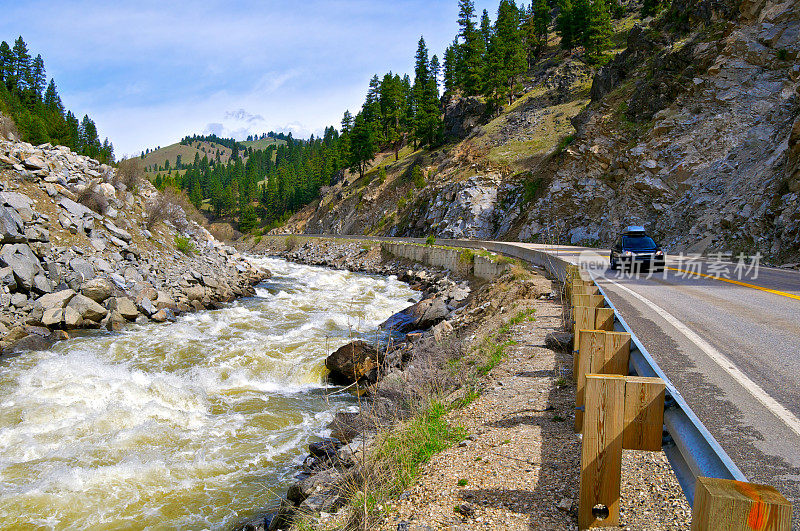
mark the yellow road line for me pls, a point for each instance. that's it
(738, 283)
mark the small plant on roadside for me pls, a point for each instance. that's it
(185, 245)
(558, 418)
(430, 240)
(783, 54)
(290, 243)
(462, 482)
(561, 382)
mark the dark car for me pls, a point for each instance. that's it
(636, 250)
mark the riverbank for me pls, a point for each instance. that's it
(473, 424)
(89, 246)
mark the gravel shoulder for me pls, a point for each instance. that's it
(520, 466)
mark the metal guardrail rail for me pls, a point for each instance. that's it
(691, 450)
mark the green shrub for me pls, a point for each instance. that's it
(382, 175)
(430, 240)
(783, 54)
(185, 245)
(417, 177)
(563, 143)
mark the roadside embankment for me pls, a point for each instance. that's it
(464, 421)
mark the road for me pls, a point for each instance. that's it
(731, 346)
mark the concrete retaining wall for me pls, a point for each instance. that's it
(482, 267)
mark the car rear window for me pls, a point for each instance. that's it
(638, 243)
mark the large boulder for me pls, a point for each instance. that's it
(25, 265)
(58, 299)
(87, 308)
(11, 226)
(420, 316)
(82, 268)
(125, 306)
(98, 289)
(462, 115)
(352, 362)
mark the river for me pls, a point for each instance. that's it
(185, 425)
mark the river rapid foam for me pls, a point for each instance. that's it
(187, 425)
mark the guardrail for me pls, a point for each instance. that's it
(692, 451)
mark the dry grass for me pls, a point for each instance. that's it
(128, 175)
(165, 207)
(92, 197)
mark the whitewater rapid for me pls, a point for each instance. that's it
(187, 425)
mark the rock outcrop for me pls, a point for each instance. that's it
(352, 362)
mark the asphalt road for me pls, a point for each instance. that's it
(731, 348)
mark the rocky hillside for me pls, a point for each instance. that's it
(692, 130)
(86, 247)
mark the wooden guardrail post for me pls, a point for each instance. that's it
(724, 504)
(599, 352)
(593, 301)
(621, 412)
(585, 318)
(604, 319)
(601, 452)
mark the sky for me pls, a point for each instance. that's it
(151, 72)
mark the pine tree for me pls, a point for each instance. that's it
(449, 69)
(598, 31)
(650, 8)
(362, 145)
(565, 25)
(506, 58)
(470, 64)
(21, 65)
(486, 29)
(420, 92)
(6, 64)
(581, 16)
(535, 29)
(37, 78)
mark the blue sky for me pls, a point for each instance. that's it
(152, 72)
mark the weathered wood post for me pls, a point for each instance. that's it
(599, 352)
(621, 412)
(724, 504)
(601, 452)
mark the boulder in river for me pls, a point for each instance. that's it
(352, 362)
(422, 315)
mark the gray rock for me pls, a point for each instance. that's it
(72, 318)
(7, 278)
(42, 284)
(82, 268)
(560, 341)
(19, 202)
(20, 258)
(75, 209)
(118, 233)
(53, 317)
(58, 299)
(146, 306)
(34, 162)
(352, 362)
(124, 306)
(420, 316)
(87, 308)
(98, 289)
(11, 226)
(18, 300)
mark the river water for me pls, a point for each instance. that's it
(187, 425)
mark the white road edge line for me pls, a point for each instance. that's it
(722, 360)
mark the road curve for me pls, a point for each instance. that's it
(731, 346)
